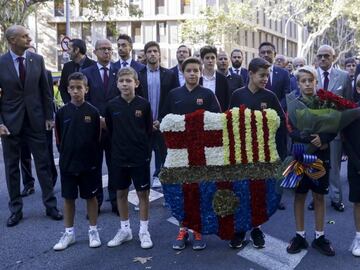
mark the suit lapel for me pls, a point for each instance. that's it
(11, 67)
(334, 77)
(29, 67)
(144, 83)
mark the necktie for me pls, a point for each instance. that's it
(326, 80)
(77, 67)
(22, 71)
(237, 71)
(105, 78)
(268, 84)
(124, 64)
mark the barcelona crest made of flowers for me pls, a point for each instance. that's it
(218, 177)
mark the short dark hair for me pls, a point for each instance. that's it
(78, 76)
(79, 43)
(207, 49)
(349, 60)
(126, 37)
(258, 63)
(190, 60)
(266, 43)
(236, 50)
(183, 45)
(151, 44)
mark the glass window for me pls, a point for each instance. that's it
(148, 31)
(161, 31)
(185, 6)
(86, 32)
(174, 34)
(136, 32)
(61, 31)
(59, 8)
(111, 31)
(159, 6)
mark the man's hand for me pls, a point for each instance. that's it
(316, 141)
(103, 123)
(49, 124)
(4, 131)
(156, 125)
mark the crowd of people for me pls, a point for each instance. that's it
(115, 109)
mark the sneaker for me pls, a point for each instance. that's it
(198, 243)
(65, 241)
(258, 238)
(323, 245)
(297, 244)
(237, 241)
(156, 182)
(121, 236)
(94, 239)
(181, 239)
(355, 247)
(145, 240)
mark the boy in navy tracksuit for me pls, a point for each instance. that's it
(78, 136)
(129, 121)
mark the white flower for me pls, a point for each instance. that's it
(214, 155)
(213, 121)
(173, 122)
(177, 158)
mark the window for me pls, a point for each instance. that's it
(264, 19)
(61, 31)
(257, 17)
(159, 6)
(185, 6)
(59, 8)
(253, 40)
(161, 32)
(210, 2)
(136, 32)
(111, 31)
(86, 32)
(148, 33)
(276, 25)
(270, 22)
(174, 34)
(246, 38)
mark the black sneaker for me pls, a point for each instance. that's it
(237, 241)
(258, 238)
(323, 245)
(297, 244)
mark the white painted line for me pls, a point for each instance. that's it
(273, 256)
(133, 198)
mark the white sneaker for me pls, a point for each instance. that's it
(156, 182)
(65, 241)
(145, 240)
(355, 247)
(120, 237)
(94, 239)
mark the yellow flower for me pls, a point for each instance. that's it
(235, 124)
(260, 135)
(225, 140)
(248, 139)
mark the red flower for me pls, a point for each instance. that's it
(339, 102)
(255, 144)
(266, 137)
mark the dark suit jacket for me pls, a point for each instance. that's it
(221, 90)
(234, 82)
(34, 97)
(135, 65)
(243, 73)
(175, 70)
(68, 69)
(167, 83)
(280, 84)
(97, 95)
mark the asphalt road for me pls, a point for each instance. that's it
(29, 245)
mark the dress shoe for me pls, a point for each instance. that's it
(311, 206)
(27, 191)
(281, 206)
(54, 213)
(338, 206)
(14, 219)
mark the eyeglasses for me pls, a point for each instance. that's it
(104, 49)
(326, 56)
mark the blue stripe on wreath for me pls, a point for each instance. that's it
(174, 196)
(243, 213)
(272, 196)
(209, 220)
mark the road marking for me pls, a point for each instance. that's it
(153, 196)
(273, 256)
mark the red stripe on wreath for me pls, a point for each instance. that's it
(226, 224)
(254, 143)
(231, 138)
(192, 218)
(242, 134)
(258, 202)
(266, 136)
(194, 138)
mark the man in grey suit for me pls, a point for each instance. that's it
(25, 114)
(337, 82)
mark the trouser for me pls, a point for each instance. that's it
(335, 163)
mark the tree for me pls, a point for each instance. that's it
(214, 26)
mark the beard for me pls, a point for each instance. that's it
(236, 64)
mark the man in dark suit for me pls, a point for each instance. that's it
(212, 79)
(236, 57)
(102, 88)
(156, 82)
(79, 61)
(182, 53)
(25, 114)
(279, 83)
(124, 43)
(234, 81)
